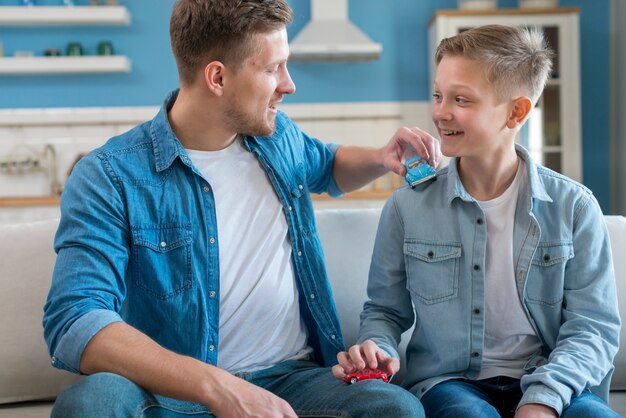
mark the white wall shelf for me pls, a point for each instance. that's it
(64, 15)
(64, 65)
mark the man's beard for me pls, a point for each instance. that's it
(244, 124)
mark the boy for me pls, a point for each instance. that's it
(512, 291)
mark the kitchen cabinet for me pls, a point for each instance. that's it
(64, 16)
(553, 132)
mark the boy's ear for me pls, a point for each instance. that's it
(214, 77)
(521, 109)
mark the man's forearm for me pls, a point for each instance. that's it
(354, 167)
(121, 349)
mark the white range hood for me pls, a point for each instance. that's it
(331, 36)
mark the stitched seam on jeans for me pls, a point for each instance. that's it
(182, 411)
(323, 414)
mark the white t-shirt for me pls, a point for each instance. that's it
(260, 323)
(510, 340)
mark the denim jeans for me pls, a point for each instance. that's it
(311, 390)
(498, 398)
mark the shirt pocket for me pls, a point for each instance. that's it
(546, 279)
(162, 259)
(432, 269)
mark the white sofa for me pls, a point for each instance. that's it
(28, 382)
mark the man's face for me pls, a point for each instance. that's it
(259, 85)
(467, 113)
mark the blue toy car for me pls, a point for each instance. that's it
(418, 171)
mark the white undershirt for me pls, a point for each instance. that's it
(260, 323)
(510, 340)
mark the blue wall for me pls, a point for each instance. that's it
(400, 75)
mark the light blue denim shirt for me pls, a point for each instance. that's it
(428, 269)
(138, 242)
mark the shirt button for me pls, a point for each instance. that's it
(299, 253)
(206, 189)
(212, 293)
(476, 267)
(475, 354)
(546, 258)
(163, 244)
(479, 221)
(211, 347)
(332, 337)
(476, 311)
(212, 240)
(312, 295)
(290, 208)
(300, 186)
(430, 254)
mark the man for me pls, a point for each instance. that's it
(189, 277)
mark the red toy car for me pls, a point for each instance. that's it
(366, 374)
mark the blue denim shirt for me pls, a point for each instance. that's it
(428, 270)
(138, 242)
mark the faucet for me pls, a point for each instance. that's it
(50, 155)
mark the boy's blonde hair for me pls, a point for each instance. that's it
(517, 60)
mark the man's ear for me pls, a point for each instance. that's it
(214, 77)
(521, 109)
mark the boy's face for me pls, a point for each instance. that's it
(471, 121)
(257, 87)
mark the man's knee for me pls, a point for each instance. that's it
(377, 399)
(100, 393)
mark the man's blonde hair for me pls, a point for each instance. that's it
(517, 61)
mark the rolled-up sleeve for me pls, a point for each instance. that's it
(88, 284)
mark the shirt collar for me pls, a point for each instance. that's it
(535, 184)
(165, 144)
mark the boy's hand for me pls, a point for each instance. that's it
(364, 355)
(535, 410)
(405, 144)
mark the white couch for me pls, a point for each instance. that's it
(28, 382)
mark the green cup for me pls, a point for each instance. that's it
(74, 48)
(105, 48)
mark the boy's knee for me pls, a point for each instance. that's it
(97, 394)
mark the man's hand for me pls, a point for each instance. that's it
(535, 410)
(406, 143)
(364, 355)
(237, 398)
(355, 166)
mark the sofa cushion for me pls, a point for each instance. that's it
(25, 271)
(617, 231)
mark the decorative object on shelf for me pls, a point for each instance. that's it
(538, 4)
(105, 48)
(51, 52)
(24, 54)
(74, 49)
(478, 4)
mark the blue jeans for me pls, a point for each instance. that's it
(311, 390)
(498, 398)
